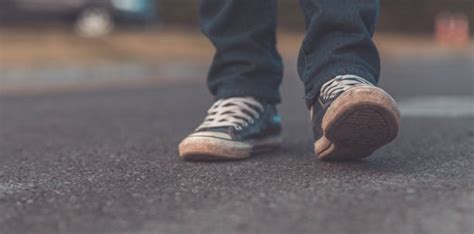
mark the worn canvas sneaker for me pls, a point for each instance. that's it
(352, 118)
(235, 128)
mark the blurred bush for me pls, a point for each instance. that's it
(406, 16)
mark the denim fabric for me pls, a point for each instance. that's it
(338, 41)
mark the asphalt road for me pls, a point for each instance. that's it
(106, 162)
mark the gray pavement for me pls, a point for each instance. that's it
(106, 162)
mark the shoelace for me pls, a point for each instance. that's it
(331, 90)
(234, 112)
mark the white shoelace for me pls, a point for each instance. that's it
(330, 90)
(232, 112)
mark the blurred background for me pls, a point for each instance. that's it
(95, 95)
(68, 45)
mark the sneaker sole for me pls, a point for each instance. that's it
(357, 123)
(198, 148)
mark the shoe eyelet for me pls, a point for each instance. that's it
(251, 121)
(245, 124)
(238, 128)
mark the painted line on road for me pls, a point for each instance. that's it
(437, 106)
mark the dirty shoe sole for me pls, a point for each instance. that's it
(357, 123)
(207, 148)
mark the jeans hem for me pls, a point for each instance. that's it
(266, 94)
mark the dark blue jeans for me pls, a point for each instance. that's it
(338, 41)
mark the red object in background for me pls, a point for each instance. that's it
(452, 29)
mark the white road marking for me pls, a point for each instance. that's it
(437, 106)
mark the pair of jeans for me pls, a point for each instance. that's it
(338, 41)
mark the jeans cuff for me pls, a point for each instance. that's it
(265, 93)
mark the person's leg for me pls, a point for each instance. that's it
(339, 65)
(246, 62)
(338, 41)
(244, 77)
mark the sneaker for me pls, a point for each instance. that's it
(352, 118)
(235, 128)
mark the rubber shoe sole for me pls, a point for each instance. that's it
(207, 148)
(357, 123)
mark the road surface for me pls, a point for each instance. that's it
(106, 162)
